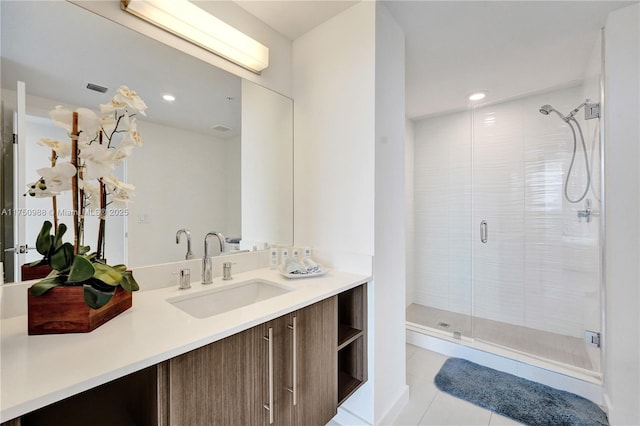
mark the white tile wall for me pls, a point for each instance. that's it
(540, 267)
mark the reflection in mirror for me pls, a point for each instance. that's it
(187, 174)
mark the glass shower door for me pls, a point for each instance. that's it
(535, 254)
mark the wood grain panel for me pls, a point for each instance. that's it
(317, 363)
(195, 386)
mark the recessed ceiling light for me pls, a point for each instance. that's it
(477, 96)
(169, 98)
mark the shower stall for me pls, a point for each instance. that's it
(506, 226)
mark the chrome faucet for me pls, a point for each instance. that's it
(207, 275)
(189, 254)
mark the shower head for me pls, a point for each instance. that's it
(547, 109)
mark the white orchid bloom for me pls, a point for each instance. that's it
(120, 193)
(131, 99)
(62, 149)
(98, 161)
(54, 179)
(62, 117)
(39, 189)
(122, 152)
(88, 122)
(132, 136)
(125, 99)
(108, 123)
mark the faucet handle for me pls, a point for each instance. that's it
(226, 270)
(184, 279)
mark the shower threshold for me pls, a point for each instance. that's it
(565, 354)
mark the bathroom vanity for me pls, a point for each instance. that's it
(287, 359)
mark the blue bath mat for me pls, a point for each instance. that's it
(522, 400)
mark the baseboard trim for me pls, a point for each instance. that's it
(396, 408)
(607, 404)
(347, 418)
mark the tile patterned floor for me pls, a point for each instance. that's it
(429, 406)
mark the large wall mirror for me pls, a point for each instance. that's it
(218, 158)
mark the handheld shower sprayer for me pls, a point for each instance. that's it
(546, 110)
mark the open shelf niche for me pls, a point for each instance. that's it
(352, 341)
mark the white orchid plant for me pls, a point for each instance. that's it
(85, 166)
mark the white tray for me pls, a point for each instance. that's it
(322, 271)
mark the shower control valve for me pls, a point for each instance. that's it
(588, 212)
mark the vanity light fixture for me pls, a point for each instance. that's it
(188, 21)
(477, 96)
(168, 97)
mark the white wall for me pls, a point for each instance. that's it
(334, 92)
(181, 180)
(539, 268)
(409, 210)
(334, 158)
(349, 174)
(390, 390)
(267, 165)
(622, 137)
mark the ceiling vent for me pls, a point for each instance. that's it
(97, 88)
(220, 128)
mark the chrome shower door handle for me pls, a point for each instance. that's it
(484, 232)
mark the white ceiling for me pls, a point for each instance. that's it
(508, 48)
(453, 48)
(294, 18)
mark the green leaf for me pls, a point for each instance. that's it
(99, 285)
(62, 258)
(128, 282)
(43, 242)
(81, 270)
(62, 228)
(120, 268)
(41, 287)
(83, 249)
(39, 262)
(107, 274)
(95, 298)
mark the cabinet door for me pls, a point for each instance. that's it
(316, 363)
(195, 380)
(239, 379)
(214, 385)
(270, 392)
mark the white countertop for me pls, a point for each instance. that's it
(39, 370)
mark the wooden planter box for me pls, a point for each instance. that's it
(35, 272)
(63, 310)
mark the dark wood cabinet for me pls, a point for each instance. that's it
(301, 387)
(281, 372)
(213, 385)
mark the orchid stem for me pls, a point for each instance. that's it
(74, 181)
(54, 199)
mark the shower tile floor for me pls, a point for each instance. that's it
(565, 349)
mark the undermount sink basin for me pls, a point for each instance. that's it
(219, 300)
